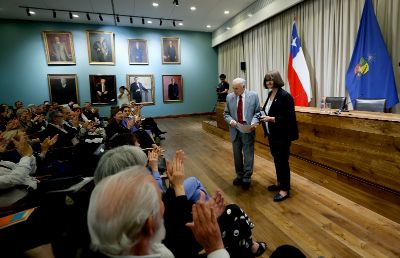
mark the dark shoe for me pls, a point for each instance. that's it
(162, 132)
(161, 138)
(262, 246)
(245, 185)
(237, 181)
(279, 198)
(273, 188)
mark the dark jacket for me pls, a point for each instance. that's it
(282, 108)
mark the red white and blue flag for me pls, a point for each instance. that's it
(298, 74)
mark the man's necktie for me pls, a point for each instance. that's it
(240, 110)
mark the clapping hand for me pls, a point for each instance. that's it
(205, 227)
(176, 173)
(153, 159)
(23, 147)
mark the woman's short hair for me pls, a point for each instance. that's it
(275, 77)
(118, 159)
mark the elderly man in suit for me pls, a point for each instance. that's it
(242, 107)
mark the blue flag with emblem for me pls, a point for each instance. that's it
(370, 73)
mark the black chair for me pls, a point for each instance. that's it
(337, 102)
(373, 105)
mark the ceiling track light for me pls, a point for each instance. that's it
(100, 17)
(88, 16)
(28, 12)
(118, 20)
(160, 22)
(142, 20)
(173, 23)
(130, 19)
(70, 15)
(175, 2)
(54, 14)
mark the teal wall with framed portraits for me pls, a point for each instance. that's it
(24, 67)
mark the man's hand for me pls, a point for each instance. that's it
(233, 123)
(205, 227)
(217, 203)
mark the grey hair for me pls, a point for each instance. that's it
(239, 81)
(119, 208)
(118, 159)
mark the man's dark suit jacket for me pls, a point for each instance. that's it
(282, 108)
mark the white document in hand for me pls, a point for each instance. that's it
(244, 128)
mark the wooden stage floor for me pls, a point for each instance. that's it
(316, 219)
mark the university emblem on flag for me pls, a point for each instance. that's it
(362, 67)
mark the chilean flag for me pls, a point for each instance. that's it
(298, 74)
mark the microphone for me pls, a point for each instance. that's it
(343, 109)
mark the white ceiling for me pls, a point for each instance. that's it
(208, 12)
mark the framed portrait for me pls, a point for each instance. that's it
(63, 88)
(172, 88)
(171, 50)
(138, 51)
(103, 89)
(101, 47)
(141, 88)
(59, 48)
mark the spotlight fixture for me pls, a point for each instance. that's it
(155, 4)
(54, 14)
(88, 16)
(180, 24)
(193, 8)
(130, 19)
(160, 22)
(70, 15)
(149, 22)
(173, 23)
(100, 17)
(142, 20)
(175, 2)
(28, 12)
(118, 19)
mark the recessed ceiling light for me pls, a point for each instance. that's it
(180, 24)
(208, 26)
(228, 28)
(226, 12)
(149, 22)
(75, 16)
(193, 8)
(250, 14)
(32, 12)
(155, 4)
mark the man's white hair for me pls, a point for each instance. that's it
(118, 159)
(239, 81)
(119, 208)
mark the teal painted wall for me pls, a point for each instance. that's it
(23, 66)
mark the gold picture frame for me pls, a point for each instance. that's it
(59, 48)
(171, 50)
(172, 88)
(103, 89)
(142, 89)
(138, 53)
(101, 47)
(63, 88)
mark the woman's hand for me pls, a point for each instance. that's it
(267, 119)
(153, 160)
(176, 173)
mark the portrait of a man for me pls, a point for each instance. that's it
(172, 88)
(59, 47)
(171, 51)
(103, 89)
(101, 47)
(63, 88)
(141, 88)
(138, 51)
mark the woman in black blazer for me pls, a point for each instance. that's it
(279, 124)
